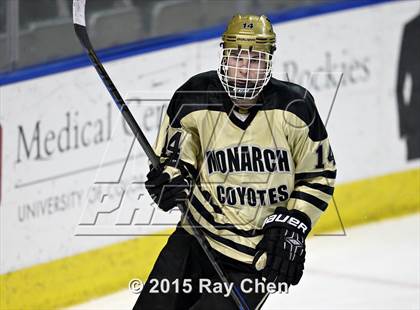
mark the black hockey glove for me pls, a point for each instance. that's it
(283, 244)
(167, 186)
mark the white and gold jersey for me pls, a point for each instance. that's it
(246, 166)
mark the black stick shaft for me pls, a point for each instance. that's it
(119, 101)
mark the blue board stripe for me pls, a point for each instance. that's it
(154, 44)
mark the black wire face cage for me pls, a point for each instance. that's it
(243, 72)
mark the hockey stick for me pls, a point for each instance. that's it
(81, 32)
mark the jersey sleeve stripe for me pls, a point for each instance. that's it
(321, 187)
(320, 204)
(310, 175)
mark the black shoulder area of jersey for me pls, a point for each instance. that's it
(295, 99)
(201, 92)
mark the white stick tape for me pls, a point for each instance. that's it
(79, 12)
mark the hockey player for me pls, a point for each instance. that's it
(249, 156)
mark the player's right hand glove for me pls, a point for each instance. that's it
(283, 246)
(167, 186)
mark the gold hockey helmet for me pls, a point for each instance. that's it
(246, 56)
(251, 32)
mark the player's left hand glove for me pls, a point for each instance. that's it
(283, 244)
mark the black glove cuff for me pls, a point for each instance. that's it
(294, 220)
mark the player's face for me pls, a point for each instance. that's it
(243, 73)
(245, 68)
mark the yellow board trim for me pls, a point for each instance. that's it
(78, 278)
(371, 200)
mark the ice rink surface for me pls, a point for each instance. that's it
(375, 266)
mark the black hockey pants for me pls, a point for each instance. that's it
(182, 261)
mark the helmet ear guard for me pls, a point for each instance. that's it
(252, 36)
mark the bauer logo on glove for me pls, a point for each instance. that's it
(283, 218)
(281, 252)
